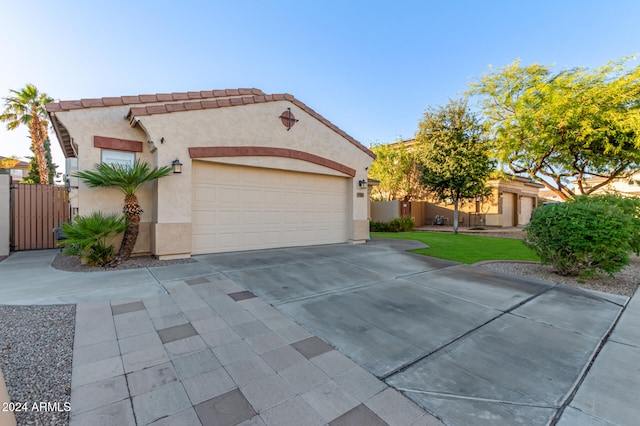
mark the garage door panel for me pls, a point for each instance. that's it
(273, 196)
(224, 218)
(224, 240)
(246, 208)
(272, 218)
(253, 217)
(526, 210)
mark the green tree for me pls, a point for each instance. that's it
(564, 128)
(34, 172)
(26, 106)
(127, 179)
(396, 168)
(454, 155)
(8, 162)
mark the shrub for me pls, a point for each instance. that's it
(627, 205)
(581, 237)
(87, 237)
(399, 224)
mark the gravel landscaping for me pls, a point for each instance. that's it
(624, 282)
(35, 354)
(73, 263)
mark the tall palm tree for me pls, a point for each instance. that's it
(128, 179)
(26, 106)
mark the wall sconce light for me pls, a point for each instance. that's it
(362, 183)
(177, 166)
(500, 194)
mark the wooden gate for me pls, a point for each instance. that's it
(35, 211)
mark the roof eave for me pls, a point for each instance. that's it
(64, 138)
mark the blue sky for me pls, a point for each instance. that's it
(370, 67)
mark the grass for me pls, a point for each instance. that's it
(465, 248)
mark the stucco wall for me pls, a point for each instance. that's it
(384, 211)
(167, 203)
(83, 125)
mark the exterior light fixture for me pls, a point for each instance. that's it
(362, 183)
(177, 166)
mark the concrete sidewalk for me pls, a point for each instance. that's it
(29, 279)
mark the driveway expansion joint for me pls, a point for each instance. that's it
(583, 375)
(407, 365)
(473, 398)
(326, 293)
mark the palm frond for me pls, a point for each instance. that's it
(128, 179)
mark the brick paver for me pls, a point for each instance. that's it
(209, 351)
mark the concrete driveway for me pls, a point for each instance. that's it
(469, 345)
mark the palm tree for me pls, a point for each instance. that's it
(128, 179)
(26, 107)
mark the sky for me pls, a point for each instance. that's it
(370, 67)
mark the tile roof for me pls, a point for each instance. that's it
(171, 102)
(148, 99)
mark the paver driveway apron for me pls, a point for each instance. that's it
(469, 345)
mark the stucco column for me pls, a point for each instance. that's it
(171, 233)
(360, 211)
(6, 416)
(5, 211)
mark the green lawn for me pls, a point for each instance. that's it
(465, 248)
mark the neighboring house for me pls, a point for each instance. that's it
(548, 196)
(259, 171)
(18, 169)
(628, 186)
(511, 203)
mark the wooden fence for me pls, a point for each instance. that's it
(35, 211)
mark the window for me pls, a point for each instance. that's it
(118, 157)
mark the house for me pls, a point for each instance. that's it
(511, 202)
(258, 170)
(548, 196)
(628, 186)
(17, 169)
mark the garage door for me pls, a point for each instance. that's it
(508, 209)
(245, 208)
(526, 208)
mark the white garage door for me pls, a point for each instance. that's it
(526, 208)
(508, 209)
(245, 208)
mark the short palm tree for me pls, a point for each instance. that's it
(128, 179)
(26, 106)
(88, 237)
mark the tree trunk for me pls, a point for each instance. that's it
(132, 211)
(455, 216)
(38, 136)
(128, 240)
